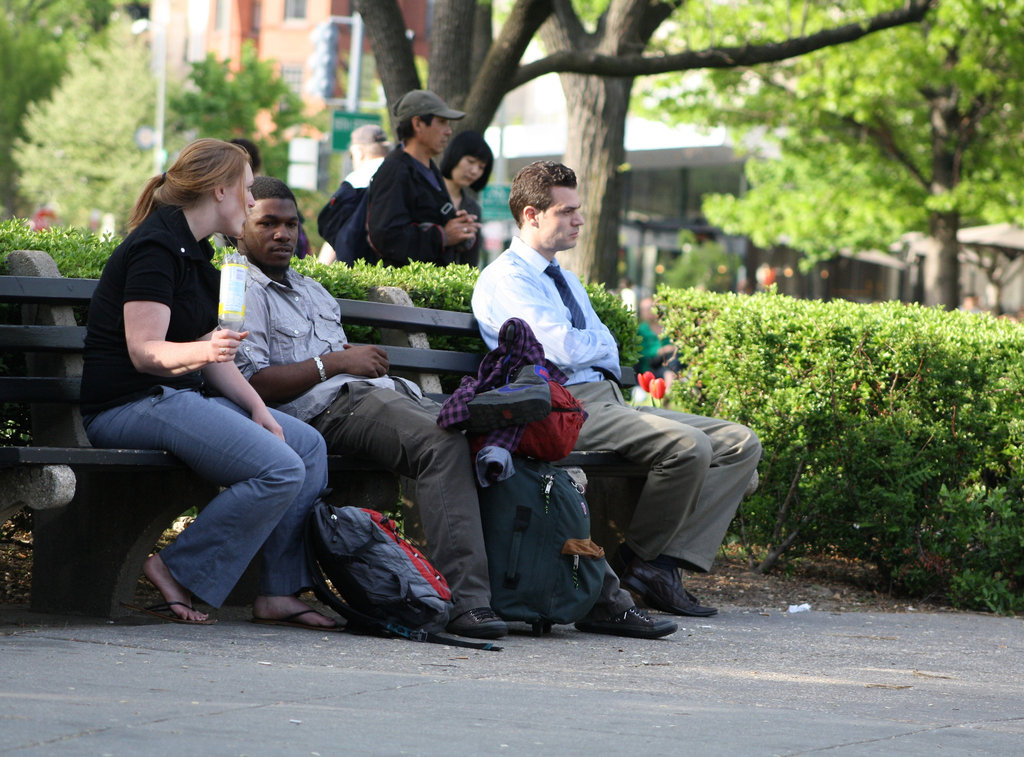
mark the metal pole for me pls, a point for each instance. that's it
(161, 18)
(355, 64)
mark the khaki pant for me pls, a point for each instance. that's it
(699, 470)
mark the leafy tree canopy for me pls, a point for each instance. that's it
(877, 137)
(35, 37)
(31, 63)
(80, 153)
(223, 100)
(76, 18)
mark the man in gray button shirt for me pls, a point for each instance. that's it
(298, 359)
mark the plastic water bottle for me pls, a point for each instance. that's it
(231, 309)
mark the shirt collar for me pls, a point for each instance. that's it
(258, 277)
(173, 217)
(529, 255)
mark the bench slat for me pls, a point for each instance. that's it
(433, 361)
(599, 463)
(33, 289)
(67, 389)
(42, 338)
(358, 312)
(39, 389)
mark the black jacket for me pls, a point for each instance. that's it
(407, 215)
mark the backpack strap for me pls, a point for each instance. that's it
(359, 622)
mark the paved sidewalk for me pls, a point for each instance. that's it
(738, 684)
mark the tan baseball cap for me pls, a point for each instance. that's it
(423, 102)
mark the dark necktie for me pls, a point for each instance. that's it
(575, 312)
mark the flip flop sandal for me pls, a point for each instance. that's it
(290, 620)
(164, 612)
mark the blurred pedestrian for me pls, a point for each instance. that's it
(368, 148)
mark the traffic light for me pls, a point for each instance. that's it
(323, 61)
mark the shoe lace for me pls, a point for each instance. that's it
(638, 614)
(482, 614)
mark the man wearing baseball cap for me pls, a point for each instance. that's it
(411, 215)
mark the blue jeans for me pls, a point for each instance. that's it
(269, 487)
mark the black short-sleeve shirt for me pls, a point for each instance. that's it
(160, 261)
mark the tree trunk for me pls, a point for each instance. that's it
(483, 37)
(395, 63)
(451, 51)
(595, 150)
(941, 263)
(597, 108)
(501, 63)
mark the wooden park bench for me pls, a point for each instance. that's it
(97, 513)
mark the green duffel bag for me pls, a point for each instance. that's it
(544, 568)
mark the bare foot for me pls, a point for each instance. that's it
(172, 591)
(278, 608)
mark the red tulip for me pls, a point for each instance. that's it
(658, 388)
(644, 380)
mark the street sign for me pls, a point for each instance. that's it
(344, 123)
(494, 202)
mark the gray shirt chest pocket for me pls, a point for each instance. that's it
(329, 331)
(291, 342)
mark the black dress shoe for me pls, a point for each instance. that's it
(633, 622)
(478, 623)
(662, 590)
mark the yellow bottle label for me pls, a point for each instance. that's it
(231, 309)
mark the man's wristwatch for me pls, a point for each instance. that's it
(320, 367)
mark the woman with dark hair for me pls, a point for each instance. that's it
(160, 374)
(466, 167)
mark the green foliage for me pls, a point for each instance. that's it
(705, 265)
(870, 417)
(865, 141)
(226, 100)
(79, 154)
(974, 549)
(80, 254)
(73, 18)
(35, 38)
(31, 63)
(619, 319)
(77, 253)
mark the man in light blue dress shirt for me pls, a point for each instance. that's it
(699, 467)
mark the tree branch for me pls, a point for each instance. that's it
(502, 61)
(724, 57)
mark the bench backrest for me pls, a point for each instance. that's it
(48, 327)
(47, 338)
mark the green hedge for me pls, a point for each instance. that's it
(892, 433)
(80, 254)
